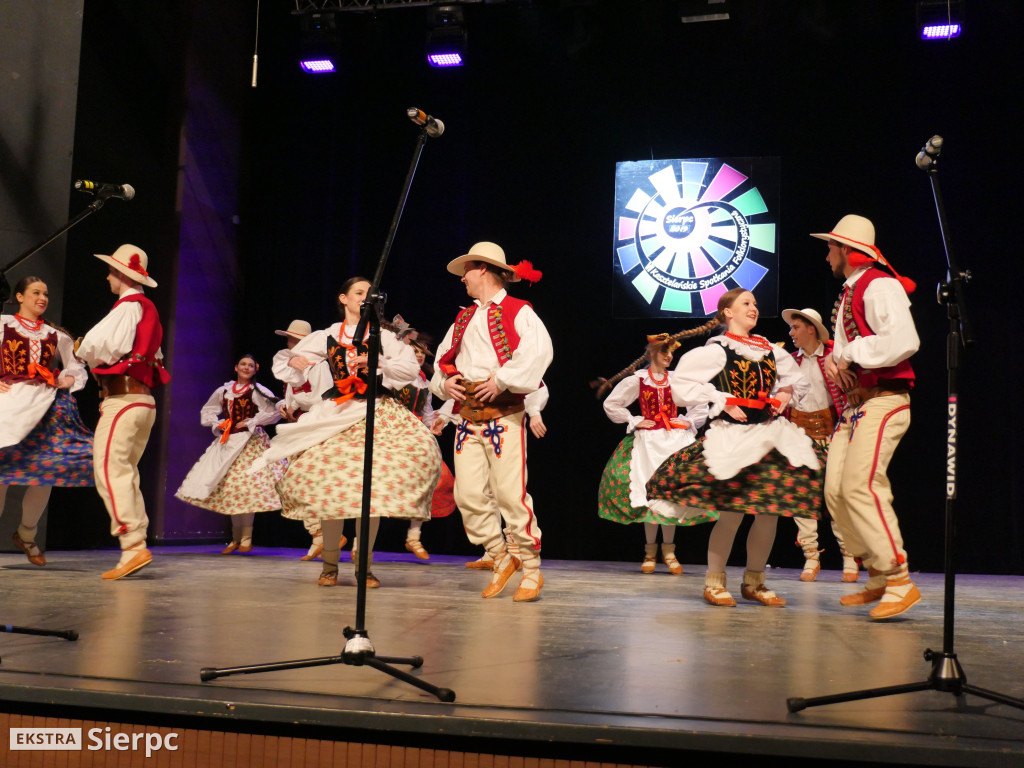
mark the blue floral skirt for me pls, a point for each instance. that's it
(58, 451)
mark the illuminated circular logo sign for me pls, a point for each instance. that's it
(689, 230)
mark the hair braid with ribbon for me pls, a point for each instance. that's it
(602, 386)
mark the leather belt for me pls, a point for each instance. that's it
(817, 424)
(478, 412)
(120, 384)
(860, 395)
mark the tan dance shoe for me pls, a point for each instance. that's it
(140, 560)
(529, 587)
(32, 552)
(668, 557)
(899, 596)
(414, 546)
(500, 576)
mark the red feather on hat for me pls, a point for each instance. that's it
(524, 271)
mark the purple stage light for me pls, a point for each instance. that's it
(452, 59)
(317, 66)
(940, 31)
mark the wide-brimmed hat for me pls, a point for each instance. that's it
(859, 233)
(811, 316)
(297, 329)
(132, 261)
(490, 253)
(854, 231)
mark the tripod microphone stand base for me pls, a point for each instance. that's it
(358, 652)
(947, 676)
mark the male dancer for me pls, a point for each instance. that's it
(491, 358)
(816, 413)
(874, 338)
(123, 350)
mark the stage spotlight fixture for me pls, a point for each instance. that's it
(318, 43)
(691, 11)
(446, 36)
(940, 19)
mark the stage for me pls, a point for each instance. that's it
(609, 666)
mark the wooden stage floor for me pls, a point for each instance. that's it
(608, 656)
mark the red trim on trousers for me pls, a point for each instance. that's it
(106, 461)
(898, 559)
(522, 498)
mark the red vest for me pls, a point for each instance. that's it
(501, 318)
(855, 323)
(141, 363)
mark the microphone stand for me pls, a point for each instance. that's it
(5, 288)
(358, 650)
(946, 675)
(5, 296)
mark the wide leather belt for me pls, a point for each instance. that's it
(817, 424)
(476, 411)
(860, 395)
(120, 384)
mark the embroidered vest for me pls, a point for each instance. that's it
(239, 408)
(501, 320)
(414, 398)
(854, 323)
(656, 403)
(337, 359)
(16, 352)
(141, 363)
(744, 378)
(834, 392)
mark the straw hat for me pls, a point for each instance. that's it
(489, 253)
(132, 261)
(811, 316)
(859, 233)
(854, 231)
(297, 329)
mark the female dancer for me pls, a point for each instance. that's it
(43, 441)
(652, 437)
(236, 413)
(325, 447)
(749, 462)
(416, 397)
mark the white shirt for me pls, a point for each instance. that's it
(817, 397)
(477, 359)
(887, 310)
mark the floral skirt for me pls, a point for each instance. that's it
(613, 494)
(58, 451)
(770, 487)
(239, 492)
(326, 481)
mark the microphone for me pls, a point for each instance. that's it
(434, 127)
(929, 154)
(106, 191)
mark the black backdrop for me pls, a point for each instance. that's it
(554, 94)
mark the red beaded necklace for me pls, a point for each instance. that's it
(237, 391)
(755, 341)
(660, 382)
(29, 325)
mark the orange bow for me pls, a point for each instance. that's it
(42, 372)
(663, 419)
(349, 387)
(226, 427)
